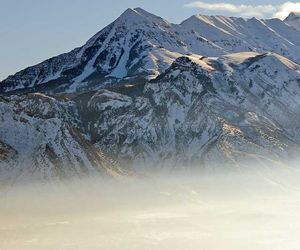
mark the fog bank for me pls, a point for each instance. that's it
(252, 210)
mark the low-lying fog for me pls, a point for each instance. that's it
(218, 211)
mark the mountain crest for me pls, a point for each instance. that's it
(139, 46)
(137, 14)
(129, 14)
(147, 92)
(293, 20)
(293, 16)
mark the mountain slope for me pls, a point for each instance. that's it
(39, 139)
(234, 109)
(202, 111)
(147, 94)
(138, 46)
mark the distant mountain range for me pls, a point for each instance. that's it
(146, 93)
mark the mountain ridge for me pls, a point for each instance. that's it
(144, 95)
(138, 46)
(236, 109)
(293, 19)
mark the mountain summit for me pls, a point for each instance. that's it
(293, 19)
(293, 16)
(138, 46)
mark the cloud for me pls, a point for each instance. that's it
(285, 9)
(246, 10)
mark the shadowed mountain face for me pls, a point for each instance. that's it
(146, 94)
(138, 46)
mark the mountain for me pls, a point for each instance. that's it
(202, 111)
(40, 140)
(144, 94)
(139, 46)
(293, 20)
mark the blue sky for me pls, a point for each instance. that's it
(34, 30)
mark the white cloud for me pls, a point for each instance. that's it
(285, 9)
(246, 10)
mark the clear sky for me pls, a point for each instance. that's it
(34, 30)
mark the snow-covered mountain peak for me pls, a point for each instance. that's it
(137, 16)
(195, 19)
(293, 20)
(293, 16)
(215, 21)
(139, 46)
(129, 16)
(148, 14)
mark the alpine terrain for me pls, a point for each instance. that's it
(144, 94)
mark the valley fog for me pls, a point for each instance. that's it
(230, 210)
